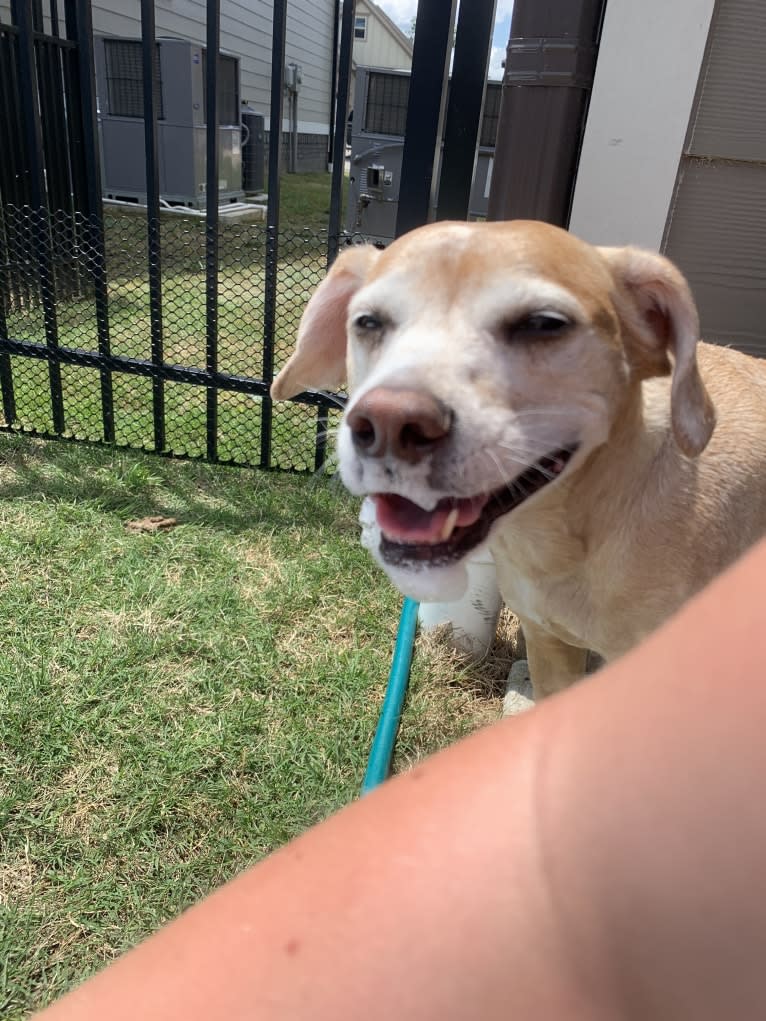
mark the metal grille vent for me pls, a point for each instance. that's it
(228, 90)
(124, 78)
(387, 96)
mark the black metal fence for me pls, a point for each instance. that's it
(134, 391)
(160, 331)
(136, 328)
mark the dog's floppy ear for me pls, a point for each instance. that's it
(659, 318)
(319, 359)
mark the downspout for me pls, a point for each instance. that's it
(549, 68)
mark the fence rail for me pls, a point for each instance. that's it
(148, 330)
(113, 253)
(154, 331)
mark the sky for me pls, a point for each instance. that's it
(403, 11)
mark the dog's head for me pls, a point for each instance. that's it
(485, 363)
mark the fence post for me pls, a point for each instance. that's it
(6, 370)
(211, 218)
(422, 133)
(333, 82)
(466, 100)
(339, 141)
(30, 105)
(279, 32)
(153, 239)
(80, 28)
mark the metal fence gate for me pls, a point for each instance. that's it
(164, 334)
(148, 331)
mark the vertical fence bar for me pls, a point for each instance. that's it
(211, 218)
(14, 176)
(8, 196)
(153, 242)
(30, 109)
(54, 9)
(11, 143)
(338, 178)
(53, 122)
(341, 113)
(6, 370)
(320, 449)
(422, 135)
(79, 27)
(54, 116)
(279, 32)
(80, 90)
(6, 382)
(462, 126)
(333, 81)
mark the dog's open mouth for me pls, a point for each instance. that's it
(410, 534)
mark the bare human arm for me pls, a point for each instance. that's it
(602, 856)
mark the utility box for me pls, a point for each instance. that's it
(377, 143)
(180, 69)
(253, 150)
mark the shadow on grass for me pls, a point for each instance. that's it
(132, 484)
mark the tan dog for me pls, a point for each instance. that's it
(512, 385)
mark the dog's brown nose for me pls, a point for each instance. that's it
(407, 424)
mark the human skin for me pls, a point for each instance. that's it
(600, 856)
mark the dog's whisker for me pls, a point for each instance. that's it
(529, 449)
(327, 434)
(340, 402)
(501, 471)
(329, 468)
(537, 412)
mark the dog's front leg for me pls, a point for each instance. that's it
(553, 665)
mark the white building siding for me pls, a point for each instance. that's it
(380, 48)
(246, 33)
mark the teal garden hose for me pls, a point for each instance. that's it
(382, 750)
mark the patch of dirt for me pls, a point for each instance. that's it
(154, 523)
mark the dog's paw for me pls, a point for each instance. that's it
(518, 692)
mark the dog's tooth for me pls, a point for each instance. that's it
(449, 524)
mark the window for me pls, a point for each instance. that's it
(360, 27)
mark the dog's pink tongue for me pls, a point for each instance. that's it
(404, 521)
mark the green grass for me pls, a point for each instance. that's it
(241, 287)
(174, 706)
(305, 201)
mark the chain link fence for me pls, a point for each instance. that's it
(105, 339)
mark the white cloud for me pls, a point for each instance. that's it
(496, 57)
(403, 11)
(400, 11)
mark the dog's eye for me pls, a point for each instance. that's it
(541, 322)
(367, 323)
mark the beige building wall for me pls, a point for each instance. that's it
(382, 47)
(674, 152)
(648, 66)
(716, 229)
